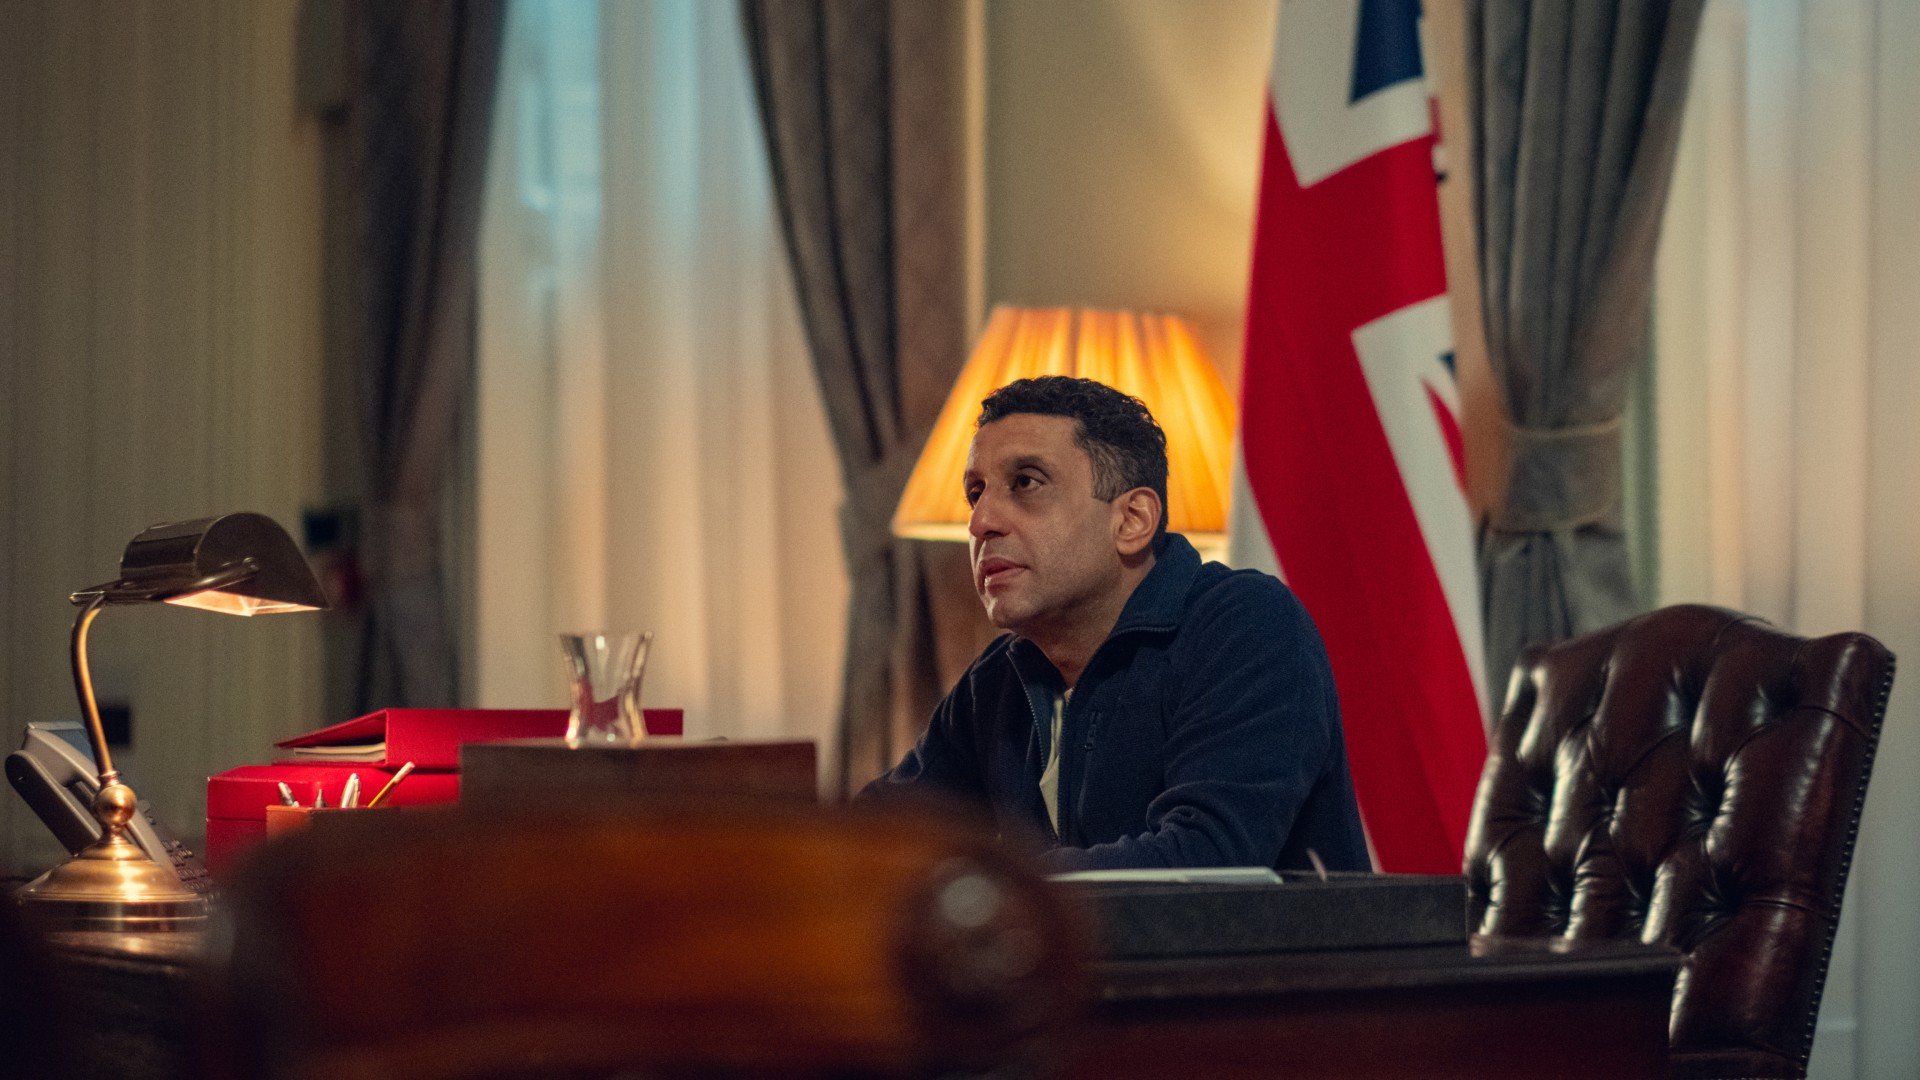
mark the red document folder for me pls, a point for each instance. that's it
(431, 738)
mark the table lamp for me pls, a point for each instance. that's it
(241, 564)
(1156, 358)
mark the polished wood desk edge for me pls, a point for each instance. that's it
(1154, 1016)
(183, 953)
(1479, 962)
(1480, 959)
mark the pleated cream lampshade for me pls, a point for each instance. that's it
(1156, 358)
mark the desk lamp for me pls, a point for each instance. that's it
(1156, 358)
(240, 564)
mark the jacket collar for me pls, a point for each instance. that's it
(1156, 603)
(1161, 596)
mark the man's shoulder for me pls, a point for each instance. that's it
(1248, 625)
(1220, 590)
(1243, 613)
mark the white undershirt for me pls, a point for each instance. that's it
(1050, 777)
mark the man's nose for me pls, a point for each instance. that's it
(985, 521)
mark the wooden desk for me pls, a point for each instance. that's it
(1488, 1009)
(134, 997)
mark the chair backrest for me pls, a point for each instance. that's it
(1692, 777)
(709, 940)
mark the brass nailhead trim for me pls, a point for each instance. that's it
(1846, 862)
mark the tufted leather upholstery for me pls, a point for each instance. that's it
(1692, 777)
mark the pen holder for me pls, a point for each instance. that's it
(286, 819)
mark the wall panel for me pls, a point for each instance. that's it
(161, 328)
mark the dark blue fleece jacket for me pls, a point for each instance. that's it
(1204, 732)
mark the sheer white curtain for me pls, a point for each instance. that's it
(1787, 368)
(651, 449)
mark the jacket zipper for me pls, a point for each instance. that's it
(1062, 800)
(1062, 795)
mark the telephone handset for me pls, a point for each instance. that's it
(53, 771)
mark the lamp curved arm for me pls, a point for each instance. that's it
(83, 686)
(119, 592)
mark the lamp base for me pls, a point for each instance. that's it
(112, 885)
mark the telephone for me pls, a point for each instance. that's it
(53, 771)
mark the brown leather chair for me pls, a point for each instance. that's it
(711, 940)
(1693, 777)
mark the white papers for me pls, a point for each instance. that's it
(1192, 875)
(343, 752)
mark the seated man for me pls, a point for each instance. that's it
(1145, 711)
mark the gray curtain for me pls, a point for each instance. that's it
(406, 90)
(862, 108)
(1576, 111)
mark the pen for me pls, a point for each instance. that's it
(381, 795)
(1319, 867)
(286, 795)
(350, 795)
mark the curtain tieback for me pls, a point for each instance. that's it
(1562, 478)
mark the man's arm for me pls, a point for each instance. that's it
(1251, 733)
(944, 758)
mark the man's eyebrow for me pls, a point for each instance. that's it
(1024, 461)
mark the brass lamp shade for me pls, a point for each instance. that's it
(241, 564)
(1156, 358)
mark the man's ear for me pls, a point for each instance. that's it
(1137, 519)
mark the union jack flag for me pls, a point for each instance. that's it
(1349, 481)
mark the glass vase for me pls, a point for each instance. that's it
(607, 669)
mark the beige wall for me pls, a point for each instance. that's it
(159, 359)
(1123, 142)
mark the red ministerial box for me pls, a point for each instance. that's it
(237, 799)
(431, 738)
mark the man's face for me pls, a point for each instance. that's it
(1043, 545)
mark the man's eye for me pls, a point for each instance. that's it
(973, 494)
(1021, 483)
